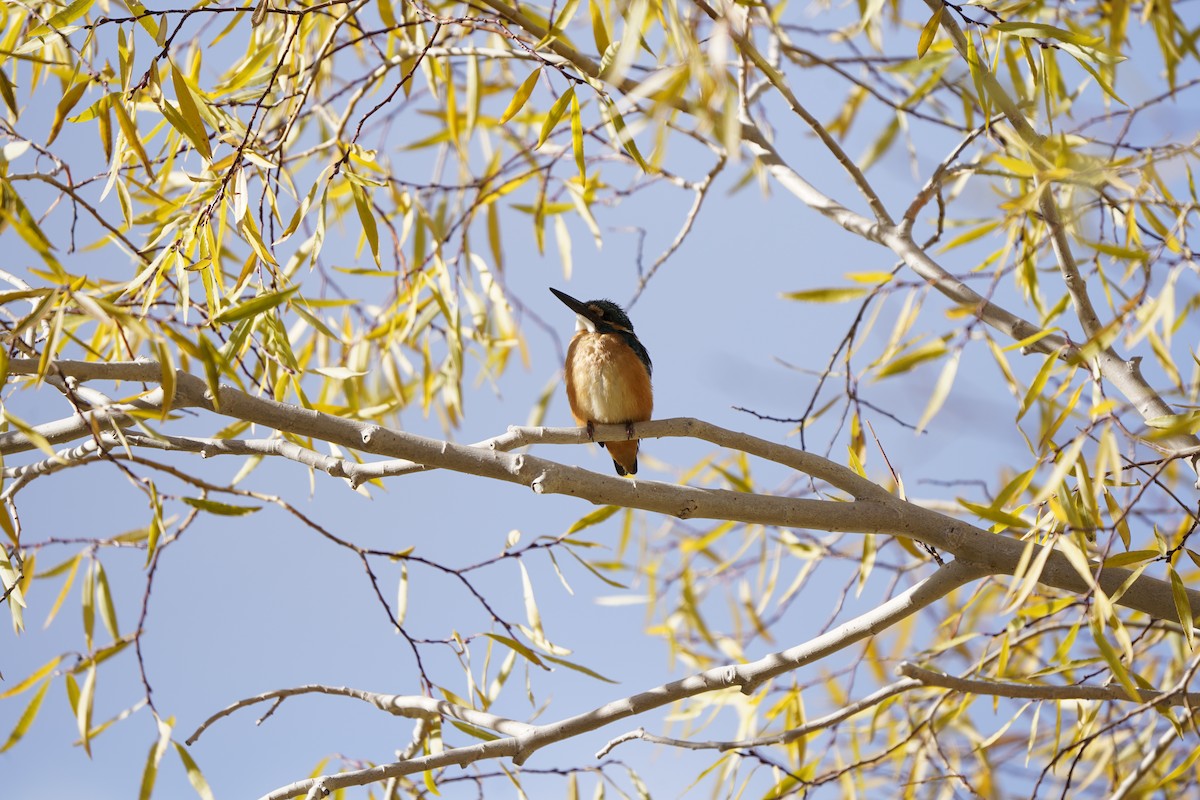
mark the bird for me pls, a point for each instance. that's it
(608, 375)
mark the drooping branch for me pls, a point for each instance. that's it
(746, 677)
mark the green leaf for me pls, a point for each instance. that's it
(941, 389)
(129, 128)
(625, 136)
(594, 571)
(1114, 663)
(88, 603)
(532, 614)
(35, 438)
(62, 594)
(83, 710)
(882, 143)
(1039, 383)
(249, 229)
(599, 27)
(1131, 557)
(994, 514)
(8, 92)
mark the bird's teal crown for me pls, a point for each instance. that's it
(609, 317)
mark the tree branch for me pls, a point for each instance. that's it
(747, 677)
(1030, 691)
(411, 706)
(1124, 374)
(873, 511)
(820, 723)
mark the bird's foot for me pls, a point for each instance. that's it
(628, 430)
(591, 428)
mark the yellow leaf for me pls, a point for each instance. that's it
(941, 389)
(1183, 606)
(994, 513)
(554, 115)
(1132, 557)
(27, 717)
(929, 32)
(190, 112)
(577, 138)
(599, 26)
(129, 128)
(521, 95)
(915, 356)
(1066, 463)
(193, 773)
(831, 295)
(254, 306)
(63, 18)
(68, 101)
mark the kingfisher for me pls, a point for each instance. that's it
(608, 375)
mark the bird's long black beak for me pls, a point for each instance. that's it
(573, 304)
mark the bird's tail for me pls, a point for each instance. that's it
(624, 456)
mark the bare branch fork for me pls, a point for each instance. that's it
(872, 509)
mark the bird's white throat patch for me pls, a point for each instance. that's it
(582, 323)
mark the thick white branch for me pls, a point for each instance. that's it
(874, 510)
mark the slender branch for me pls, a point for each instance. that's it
(1031, 691)
(747, 677)
(411, 706)
(1152, 758)
(831, 144)
(844, 713)
(1124, 374)
(71, 428)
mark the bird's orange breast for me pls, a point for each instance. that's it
(606, 382)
